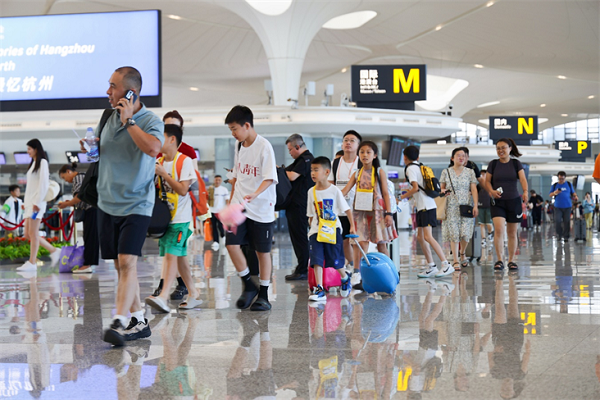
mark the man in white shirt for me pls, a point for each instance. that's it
(426, 215)
(253, 184)
(221, 199)
(342, 169)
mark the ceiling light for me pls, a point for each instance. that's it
(194, 89)
(344, 70)
(543, 105)
(175, 17)
(478, 66)
(350, 21)
(491, 103)
(564, 115)
(591, 96)
(489, 4)
(561, 77)
(270, 7)
(437, 28)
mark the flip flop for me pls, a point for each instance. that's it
(190, 303)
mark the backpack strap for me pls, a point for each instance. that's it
(179, 166)
(493, 165)
(335, 166)
(103, 120)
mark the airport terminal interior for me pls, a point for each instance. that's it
(433, 74)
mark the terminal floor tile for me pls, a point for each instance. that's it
(475, 334)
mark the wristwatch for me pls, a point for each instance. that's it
(130, 122)
(387, 213)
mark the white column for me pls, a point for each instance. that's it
(286, 37)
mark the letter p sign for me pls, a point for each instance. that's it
(581, 146)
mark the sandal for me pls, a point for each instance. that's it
(190, 303)
(513, 266)
(464, 262)
(456, 266)
(499, 266)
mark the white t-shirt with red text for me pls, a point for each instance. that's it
(253, 165)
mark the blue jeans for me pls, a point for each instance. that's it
(562, 221)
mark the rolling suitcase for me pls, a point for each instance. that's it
(580, 229)
(378, 272)
(473, 250)
(524, 221)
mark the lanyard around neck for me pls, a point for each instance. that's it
(316, 202)
(349, 168)
(358, 188)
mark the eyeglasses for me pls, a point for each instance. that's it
(502, 148)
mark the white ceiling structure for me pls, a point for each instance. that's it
(520, 48)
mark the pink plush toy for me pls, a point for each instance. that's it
(232, 216)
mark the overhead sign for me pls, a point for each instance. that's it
(574, 151)
(520, 129)
(392, 84)
(52, 62)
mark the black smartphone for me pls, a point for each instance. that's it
(130, 94)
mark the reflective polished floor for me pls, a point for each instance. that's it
(473, 335)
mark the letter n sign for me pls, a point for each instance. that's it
(526, 125)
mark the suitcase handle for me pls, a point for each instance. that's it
(359, 247)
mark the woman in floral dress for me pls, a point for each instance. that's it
(460, 185)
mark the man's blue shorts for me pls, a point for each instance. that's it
(326, 254)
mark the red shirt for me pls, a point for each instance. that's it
(185, 149)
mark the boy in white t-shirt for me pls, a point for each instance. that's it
(176, 171)
(426, 215)
(254, 178)
(13, 208)
(325, 204)
(220, 200)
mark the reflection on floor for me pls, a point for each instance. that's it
(473, 335)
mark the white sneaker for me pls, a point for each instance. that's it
(215, 246)
(483, 243)
(430, 273)
(84, 271)
(490, 237)
(356, 278)
(27, 267)
(447, 270)
(55, 257)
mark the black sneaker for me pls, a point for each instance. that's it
(179, 292)
(115, 335)
(139, 330)
(157, 291)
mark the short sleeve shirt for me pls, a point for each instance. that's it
(332, 200)
(475, 169)
(422, 201)
(125, 173)
(253, 165)
(505, 176)
(563, 199)
(77, 181)
(301, 166)
(221, 196)
(342, 177)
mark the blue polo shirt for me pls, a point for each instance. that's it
(563, 199)
(125, 173)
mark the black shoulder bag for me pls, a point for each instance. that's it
(161, 214)
(88, 193)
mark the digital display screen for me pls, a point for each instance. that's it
(22, 157)
(82, 158)
(75, 156)
(2, 159)
(395, 150)
(54, 62)
(393, 175)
